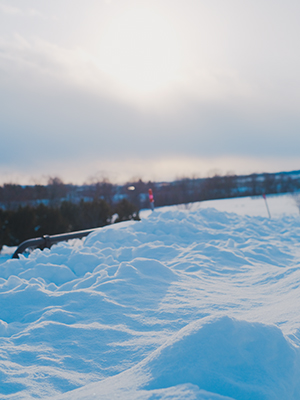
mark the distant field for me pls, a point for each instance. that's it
(280, 204)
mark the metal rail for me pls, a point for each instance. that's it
(47, 241)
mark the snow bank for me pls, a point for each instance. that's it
(225, 356)
(233, 358)
(183, 304)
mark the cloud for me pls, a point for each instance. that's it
(59, 106)
(6, 9)
(40, 60)
(35, 13)
(231, 102)
(16, 11)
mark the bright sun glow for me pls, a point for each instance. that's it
(140, 52)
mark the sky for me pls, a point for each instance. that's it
(159, 89)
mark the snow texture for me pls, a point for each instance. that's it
(185, 304)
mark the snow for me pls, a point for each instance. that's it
(6, 253)
(191, 302)
(252, 206)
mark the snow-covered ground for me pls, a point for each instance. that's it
(279, 205)
(190, 302)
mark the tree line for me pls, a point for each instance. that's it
(189, 190)
(27, 222)
(183, 190)
(33, 211)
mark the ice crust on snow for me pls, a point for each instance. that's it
(183, 304)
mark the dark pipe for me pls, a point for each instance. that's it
(47, 241)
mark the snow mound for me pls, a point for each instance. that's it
(221, 358)
(232, 358)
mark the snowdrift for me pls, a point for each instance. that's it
(183, 304)
(235, 358)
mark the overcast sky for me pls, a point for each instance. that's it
(150, 89)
